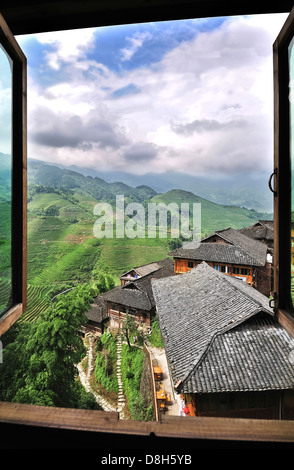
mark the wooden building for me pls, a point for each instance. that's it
(232, 253)
(227, 354)
(139, 271)
(134, 297)
(263, 231)
(97, 317)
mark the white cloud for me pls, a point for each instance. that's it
(68, 45)
(216, 88)
(135, 42)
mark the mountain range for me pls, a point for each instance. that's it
(246, 191)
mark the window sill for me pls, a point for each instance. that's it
(7, 320)
(230, 429)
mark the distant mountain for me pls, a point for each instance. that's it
(213, 216)
(56, 177)
(244, 190)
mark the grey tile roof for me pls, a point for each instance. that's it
(132, 297)
(218, 253)
(98, 310)
(138, 294)
(254, 356)
(254, 248)
(239, 249)
(199, 313)
(263, 230)
(143, 270)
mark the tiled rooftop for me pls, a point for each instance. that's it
(199, 315)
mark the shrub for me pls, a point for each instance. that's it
(155, 338)
(105, 370)
(132, 369)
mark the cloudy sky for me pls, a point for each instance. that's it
(187, 96)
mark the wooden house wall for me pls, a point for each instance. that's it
(117, 316)
(184, 265)
(264, 279)
(252, 405)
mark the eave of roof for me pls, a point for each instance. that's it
(219, 253)
(254, 356)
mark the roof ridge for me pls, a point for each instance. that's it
(242, 235)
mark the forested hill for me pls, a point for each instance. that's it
(214, 216)
(55, 177)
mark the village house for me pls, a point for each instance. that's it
(231, 252)
(227, 354)
(133, 297)
(263, 230)
(140, 271)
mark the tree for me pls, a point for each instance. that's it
(52, 210)
(129, 328)
(40, 365)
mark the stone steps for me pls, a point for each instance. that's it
(121, 401)
(85, 379)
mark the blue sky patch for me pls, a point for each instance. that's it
(130, 89)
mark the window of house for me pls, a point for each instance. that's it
(13, 290)
(190, 264)
(236, 270)
(223, 269)
(281, 181)
(244, 271)
(217, 267)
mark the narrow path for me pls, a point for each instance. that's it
(121, 397)
(85, 379)
(159, 355)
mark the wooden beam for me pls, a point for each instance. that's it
(7, 320)
(31, 16)
(233, 429)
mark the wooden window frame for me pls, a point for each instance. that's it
(19, 179)
(14, 416)
(280, 181)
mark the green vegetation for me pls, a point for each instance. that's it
(155, 338)
(39, 358)
(105, 370)
(213, 216)
(132, 370)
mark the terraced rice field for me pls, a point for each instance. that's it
(5, 288)
(38, 302)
